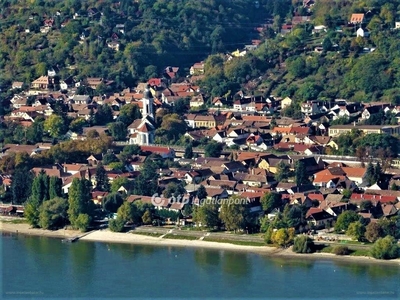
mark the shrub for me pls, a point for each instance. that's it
(341, 250)
(303, 244)
(116, 225)
(385, 248)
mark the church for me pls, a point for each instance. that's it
(142, 131)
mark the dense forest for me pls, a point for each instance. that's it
(155, 34)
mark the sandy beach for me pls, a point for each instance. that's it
(107, 236)
(26, 229)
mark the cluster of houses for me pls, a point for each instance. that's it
(248, 175)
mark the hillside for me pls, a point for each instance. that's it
(36, 35)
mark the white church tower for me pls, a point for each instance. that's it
(148, 105)
(142, 132)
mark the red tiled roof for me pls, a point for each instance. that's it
(367, 197)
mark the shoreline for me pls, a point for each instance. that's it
(106, 236)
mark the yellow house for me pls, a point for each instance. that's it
(286, 102)
(205, 121)
(271, 164)
(236, 53)
(263, 164)
(333, 145)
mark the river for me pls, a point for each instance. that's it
(39, 267)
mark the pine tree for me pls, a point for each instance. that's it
(377, 172)
(22, 178)
(201, 192)
(55, 187)
(146, 182)
(301, 174)
(40, 188)
(370, 174)
(79, 200)
(102, 183)
(188, 151)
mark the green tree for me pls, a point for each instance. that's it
(129, 113)
(147, 217)
(268, 235)
(370, 174)
(77, 125)
(103, 115)
(213, 149)
(116, 225)
(54, 125)
(327, 44)
(31, 213)
(34, 134)
(53, 213)
(82, 222)
(356, 230)
(297, 66)
(385, 248)
(201, 192)
(372, 232)
(345, 219)
(233, 215)
(22, 178)
(79, 200)
(113, 201)
(109, 158)
(270, 201)
(118, 131)
(174, 190)
(102, 183)
(283, 237)
(302, 244)
(188, 151)
(40, 188)
(132, 150)
(282, 172)
(146, 183)
(55, 187)
(171, 129)
(207, 214)
(301, 175)
(128, 213)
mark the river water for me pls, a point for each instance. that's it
(39, 267)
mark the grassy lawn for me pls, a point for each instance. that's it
(327, 249)
(360, 252)
(180, 237)
(242, 243)
(15, 221)
(153, 234)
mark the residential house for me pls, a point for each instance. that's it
(164, 152)
(286, 102)
(197, 68)
(336, 130)
(356, 19)
(94, 160)
(67, 83)
(197, 101)
(41, 83)
(319, 218)
(17, 85)
(81, 99)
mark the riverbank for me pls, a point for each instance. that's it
(107, 236)
(24, 228)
